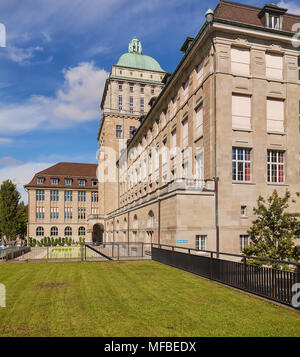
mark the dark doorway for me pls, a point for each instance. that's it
(98, 230)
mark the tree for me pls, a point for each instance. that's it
(9, 200)
(22, 218)
(273, 233)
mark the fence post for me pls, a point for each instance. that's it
(245, 272)
(47, 252)
(211, 265)
(118, 251)
(142, 249)
(81, 245)
(298, 280)
(84, 252)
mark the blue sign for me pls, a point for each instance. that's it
(182, 241)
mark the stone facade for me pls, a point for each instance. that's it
(57, 209)
(233, 102)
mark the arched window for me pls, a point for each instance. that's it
(68, 231)
(151, 220)
(135, 222)
(81, 231)
(39, 231)
(54, 231)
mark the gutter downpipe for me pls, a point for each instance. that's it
(216, 178)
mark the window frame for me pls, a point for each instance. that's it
(277, 164)
(246, 176)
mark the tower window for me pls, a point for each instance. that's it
(118, 131)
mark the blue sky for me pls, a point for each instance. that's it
(53, 69)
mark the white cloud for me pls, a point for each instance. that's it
(7, 160)
(5, 141)
(291, 6)
(76, 101)
(22, 175)
(22, 55)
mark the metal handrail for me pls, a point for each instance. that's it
(243, 256)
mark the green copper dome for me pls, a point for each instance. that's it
(135, 59)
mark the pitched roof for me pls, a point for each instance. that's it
(64, 170)
(247, 14)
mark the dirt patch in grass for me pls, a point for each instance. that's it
(54, 285)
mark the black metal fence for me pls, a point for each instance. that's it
(13, 252)
(120, 250)
(264, 281)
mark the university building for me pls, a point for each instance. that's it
(60, 199)
(183, 156)
(223, 130)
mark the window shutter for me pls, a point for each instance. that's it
(275, 115)
(240, 61)
(199, 121)
(274, 65)
(241, 112)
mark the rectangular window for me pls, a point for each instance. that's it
(200, 73)
(81, 182)
(81, 196)
(241, 164)
(142, 105)
(152, 91)
(185, 134)
(120, 87)
(131, 104)
(120, 103)
(274, 66)
(186, 90)
(40, 195)
(243, 211)
(81, 213)
(118, 131)
(199, 121)
(200, 166)
(53, 195)
(240, 61)
(40, 213)
(174, 105)
(142, 90)
(241, 112)
(68, 195)
(40, 180)
(274, 22)
(275, 166)
(201, 242)
(131, 89)
(54, 181)
(275, 115)
(186, 170)
(68, 181)
(94, 197)
(54, 213)
(131, 130)
(68, 213)
(244, 241)
(174, 143)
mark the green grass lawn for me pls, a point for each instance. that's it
(131, 299)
